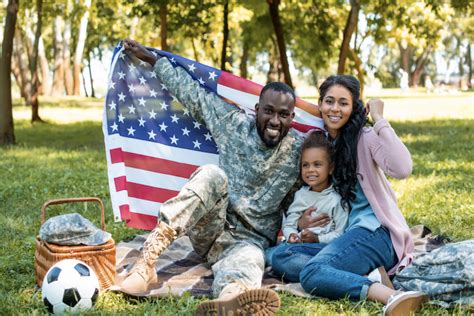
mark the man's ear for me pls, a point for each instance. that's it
(256, 107)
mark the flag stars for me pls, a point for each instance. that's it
(163, 127)
(131, 109)
(131, 88)
(122, 56)
(121, 75)
(152, 114)
(185, 111)
(163, 87)
(121, 96)
(153, 93)
(112, 105)
(191, 67)
(141, 122)
(212, 75)
(174, 119)
(121, 118)
(197, 144)
(185, 131)
(197, 125)
(141, 101)
(164, 106)
(114, 127)
(174, 140)
(142, 80)
(151, 135)
(112, 85)
(208, 136)
(131, 67)
(172, 60)
(201, 81)
(154, 53)
(142, 63)
(152, 74)
(175, 99)
(131, 131)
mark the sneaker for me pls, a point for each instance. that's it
(257, 302)
(380, 275)
(404, 303)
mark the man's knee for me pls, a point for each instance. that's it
(213, 177)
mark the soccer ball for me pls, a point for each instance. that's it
(70, 286)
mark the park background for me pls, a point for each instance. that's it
(54, 62)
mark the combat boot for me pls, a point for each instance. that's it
(143, 272)
(235, 300)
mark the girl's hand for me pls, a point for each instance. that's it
(309, 236)
(375, 107)
(307, 220)
(294, 238)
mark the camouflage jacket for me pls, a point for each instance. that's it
(259, 177)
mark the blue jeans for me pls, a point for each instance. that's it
(336, 270)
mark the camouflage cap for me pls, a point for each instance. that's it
(72, 229)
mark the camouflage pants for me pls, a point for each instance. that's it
(200, 211)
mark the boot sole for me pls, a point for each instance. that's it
(407, 306)
(258, 302)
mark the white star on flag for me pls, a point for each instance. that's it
(201, 81)
(174, 140)
(153, 93)
(121, 75)
(191, 67)
(185, 111)
(131, 131)
(151, 135)
(114, 127)
(112, 85)
(163, 87)
(173, 60)
(208, 136)
(152, 74)
(141, 121)
(112, 105)
(141, 101)
(142, 80)
(197, 144)
(164, 106)
(174, 119)
(142, 63)
(131, 88)
(163, 127)
(152, 114)
(122, 56)
(131, 109)
(197, 125)
(121, 96)
(121, 118)
(212, 75)
(185, 131)
(131, 67)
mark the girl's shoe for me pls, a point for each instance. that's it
(404, 303)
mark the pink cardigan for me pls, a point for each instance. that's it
(380, 150)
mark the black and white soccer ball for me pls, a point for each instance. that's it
(70, 286)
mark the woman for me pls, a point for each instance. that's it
(377, 233)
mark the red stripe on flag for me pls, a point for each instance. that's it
(137, 220)
(303, 127)
(247, 86)
(153, 164)
(144, 192)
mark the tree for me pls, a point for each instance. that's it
(275, 16)
(81, 40)
(34, 65)
(225, 35)
(351, 24)
(7, 134)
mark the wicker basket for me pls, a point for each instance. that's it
(101, 258)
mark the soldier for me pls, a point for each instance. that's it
(231, 213)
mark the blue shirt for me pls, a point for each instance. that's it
(361, 214)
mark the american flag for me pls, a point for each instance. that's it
(152, 143)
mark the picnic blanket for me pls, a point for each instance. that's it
(181, 270)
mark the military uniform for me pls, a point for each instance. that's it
(232, 212)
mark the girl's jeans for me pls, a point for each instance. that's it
(335, 270)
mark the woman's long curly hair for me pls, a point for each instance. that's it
(345, 157)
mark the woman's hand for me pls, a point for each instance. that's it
(294, 238)
(139, 51)
(309, 236)
(307, 220)
(375, 108)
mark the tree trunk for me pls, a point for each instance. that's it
(469, 66)
(68, 79)
(90, 75)
(84, 83)
(45, 82)
(225, 33)
(81, 41)
(195, 52)
(164, 26)
(20, 69)
(420, 64)
(33, 66)
(244, 60)
(7, 133)
(58, 70)
(275, 15)
(360, 70)
(351, 24)
(273, 73)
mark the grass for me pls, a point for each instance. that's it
(66, 158)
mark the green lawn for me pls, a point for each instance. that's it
(66, 158)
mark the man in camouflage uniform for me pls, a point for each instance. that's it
(231, 213)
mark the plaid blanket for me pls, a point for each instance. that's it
(181, 270)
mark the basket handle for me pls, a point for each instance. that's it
(74, 200)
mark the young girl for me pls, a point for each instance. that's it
(316, 168)
(377, 233)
